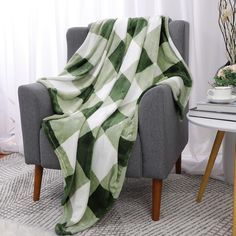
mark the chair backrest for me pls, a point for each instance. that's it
(179, 31)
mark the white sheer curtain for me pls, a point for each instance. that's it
(32, 44)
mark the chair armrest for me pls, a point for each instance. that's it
(163, 136)
(35, 104)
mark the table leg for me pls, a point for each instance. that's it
(234, 206)
(214, 151)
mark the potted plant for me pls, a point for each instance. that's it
(226, 76)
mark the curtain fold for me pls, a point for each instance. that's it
(33, 45)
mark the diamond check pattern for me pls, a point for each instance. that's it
(96, 105)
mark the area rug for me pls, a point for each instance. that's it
(180, 214)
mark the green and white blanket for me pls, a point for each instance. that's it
(96, 99)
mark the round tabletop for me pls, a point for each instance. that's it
(223, 125)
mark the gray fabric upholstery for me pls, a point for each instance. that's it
(47, 155)
(75, 37)
(159, 126)
(179, 31)
(163, 136)
(35, 104)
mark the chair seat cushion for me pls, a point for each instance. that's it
(50, 160)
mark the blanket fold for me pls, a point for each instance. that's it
(95, 100)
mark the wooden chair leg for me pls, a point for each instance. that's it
(178, 166)
(38, 173)
(214, 151)
(156, 198)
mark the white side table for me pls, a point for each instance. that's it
(221, 127)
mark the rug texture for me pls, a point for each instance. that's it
(130, 215)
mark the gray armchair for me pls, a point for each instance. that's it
(159, 125)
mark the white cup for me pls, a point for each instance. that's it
(223, 92)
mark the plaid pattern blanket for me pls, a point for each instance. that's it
(95, 100)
